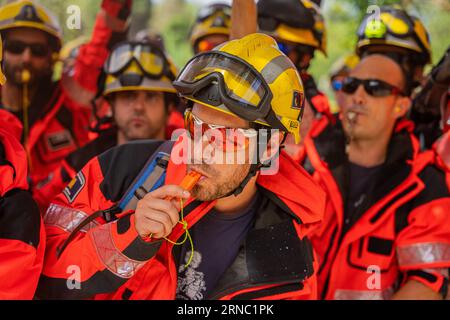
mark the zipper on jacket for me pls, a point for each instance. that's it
(327, 281)
(327, 253)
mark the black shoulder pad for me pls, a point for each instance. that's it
(120, 165)
(20, 217)
(435, 188)
(79, 158)
(435, 185)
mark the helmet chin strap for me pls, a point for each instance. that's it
(254, 168)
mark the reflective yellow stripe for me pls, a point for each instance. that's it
(364, 294)
(66, 218)
(421, 253)
(111, 257)
(275, 68)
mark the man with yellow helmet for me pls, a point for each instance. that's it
(137, 90)
(211, 28)
(22, 238)
(55, 115)
(247, 227)
(299, 28)
(399, 35)
(404, 38)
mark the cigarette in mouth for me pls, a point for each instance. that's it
(351, 115)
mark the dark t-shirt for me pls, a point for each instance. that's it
(361, 184)
(217, 238)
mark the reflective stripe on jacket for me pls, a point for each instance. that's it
(404, 225)
(116, 264)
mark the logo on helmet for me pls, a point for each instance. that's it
(219, 22)
(28, 13)
(297, 101)
(375, 29)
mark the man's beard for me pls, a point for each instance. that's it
(14, 75)
(221, 187)
(148, 132)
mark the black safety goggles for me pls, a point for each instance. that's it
(202, 80)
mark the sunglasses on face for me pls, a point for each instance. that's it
(374, 87)
(18, 47)
(224, 138)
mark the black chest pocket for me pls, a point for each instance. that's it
(371, 251)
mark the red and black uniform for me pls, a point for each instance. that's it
(276, 260)
(60, 112)
(74, 162)
(399, 230)
(22, 237)
(47, 189)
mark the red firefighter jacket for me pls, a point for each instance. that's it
(403, 229)
(276, 261)
(60, 112)
(74, 162)
(22, 238)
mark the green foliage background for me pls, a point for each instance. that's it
(173, 18)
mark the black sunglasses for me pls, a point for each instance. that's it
(374, 87)
(18, 47)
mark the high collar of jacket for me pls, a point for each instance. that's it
(403, 151)
(403, 145)
(291, 184)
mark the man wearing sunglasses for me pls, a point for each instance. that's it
(404, 38)
(339, 71)
(247, 230)
(141, 101)
(386, 232)
(211, 28)
(22, 238)
(299, 28)
(55, 115)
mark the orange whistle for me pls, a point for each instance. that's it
(188, 182)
